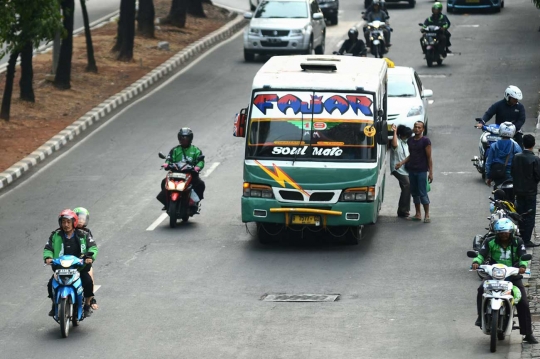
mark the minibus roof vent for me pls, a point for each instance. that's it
(314, 66)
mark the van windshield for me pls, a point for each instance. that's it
(312, 126)
(282, 9)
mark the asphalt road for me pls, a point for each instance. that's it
(96, 10)
(405, 291)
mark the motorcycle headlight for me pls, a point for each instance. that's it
(180, 186)
(254, 31)
(498, 273)
(415, 111)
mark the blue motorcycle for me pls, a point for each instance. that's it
(489, 136)
(68, 291)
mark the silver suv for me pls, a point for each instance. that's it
(284, 27)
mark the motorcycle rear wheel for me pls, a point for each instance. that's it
(63, 316)
(173, 214)
(494, 331)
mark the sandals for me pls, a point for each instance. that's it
(89, 309)
(427, 220)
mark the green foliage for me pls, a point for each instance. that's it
(536, 3)
(23, 20)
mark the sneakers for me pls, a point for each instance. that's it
(530, 339)
(448, 51)
(51, 313)
(478, 322)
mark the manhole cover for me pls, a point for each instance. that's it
(300, 297)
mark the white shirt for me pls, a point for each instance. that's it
(398, 154)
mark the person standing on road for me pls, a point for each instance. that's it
(526, 174)
(508, 109)
(501, 155)
(420, 168)
(400, 151)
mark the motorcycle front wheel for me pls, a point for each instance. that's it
(75, 315)
(494, 331)
(64, 316)
(173, 213)
(429, 58)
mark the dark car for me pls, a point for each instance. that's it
(330, 9)
(493, 5)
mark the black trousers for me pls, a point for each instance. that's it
(198, 186)
(518, 137)
(524, 312)
(404, 204)
(87, 283)
(524, 204)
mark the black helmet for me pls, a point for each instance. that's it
(185, 136)
(376, 3)
(353, 33)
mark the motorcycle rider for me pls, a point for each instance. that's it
(378, 14)
(353, 45)
(507, 249)
(68, 240)
(508, 109)
(84, 217)
(370, 9)
(502, 152)
(180, 155)
(437, 18)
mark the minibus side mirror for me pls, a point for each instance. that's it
(240, 123)
(381, 136)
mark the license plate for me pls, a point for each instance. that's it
(306, 219)
(492, 138)
(66, 271)
(274, 40)
(472, 1)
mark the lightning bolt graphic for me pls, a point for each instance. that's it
(281, 177)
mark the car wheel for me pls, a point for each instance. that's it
(334, 20)
(249, 56)
(449, 9)
(319, 50)
(497, 9)
(412, 3)
(502, 4)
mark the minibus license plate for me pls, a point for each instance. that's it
(472, 1)
(305, 219)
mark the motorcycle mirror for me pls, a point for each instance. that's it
(161, 155)
(420, 24)
(363, 12)
(472, 254)
(526, 257)
(200, 158)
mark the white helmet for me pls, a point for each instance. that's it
(513, 91)
(507, 129)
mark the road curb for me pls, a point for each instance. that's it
(125, 96)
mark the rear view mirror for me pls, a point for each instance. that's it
(472, 254)
(161, 155)
(427, 93)
(420, 24)
(240, 123)
(318, 16)
(381, 135)
(526, 257)
(248, 15)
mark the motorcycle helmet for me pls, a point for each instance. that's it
(376, 3)
(504, 225)
(507, 129)
(353, 33)
(437, 6)
(514, 92)
(185, 137)
(69, 214)
(83, 215)
(499, 195)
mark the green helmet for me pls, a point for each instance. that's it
(84, 216)
(437, 6)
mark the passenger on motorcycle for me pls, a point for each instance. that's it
(84, 217)
(382, 4)
(68, 240)
(378, 14)
(507, 249)
(353, 45)
(180, 155)
(508, 109)
(500, 156)
(441, 20)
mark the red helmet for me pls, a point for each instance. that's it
(68, 213)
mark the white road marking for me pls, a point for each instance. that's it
(456, 173)
(440, 76)
(210, 170)
(431, 102)
(467, 25)
(157, 222)
(109, 121)
(96, 287)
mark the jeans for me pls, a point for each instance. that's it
(524, 312)
(524, 204)
(404, 204)
(418, 182)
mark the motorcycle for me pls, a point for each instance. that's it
(430, 44)
(67, 289)
(376, 41)
(489, 136)
(183, 202)
(498, 305)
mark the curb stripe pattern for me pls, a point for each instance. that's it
(97, 113)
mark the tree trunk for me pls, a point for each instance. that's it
(126, 31)
(177, 14)
(27, 74)
(8, 89)
(91, 65)
(195, 8)
(146, 18)
(62, 80)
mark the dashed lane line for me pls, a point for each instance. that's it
(210, 170)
